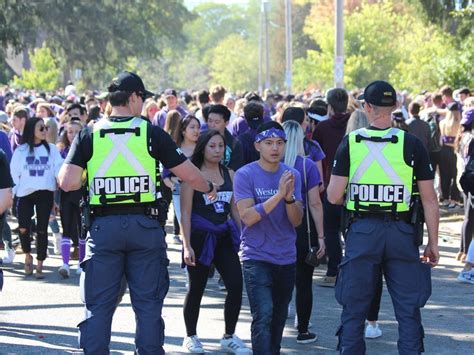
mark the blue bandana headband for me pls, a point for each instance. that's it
(270, 133)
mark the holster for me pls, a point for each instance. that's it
(347, 218)
(162, 207)
(417, 219)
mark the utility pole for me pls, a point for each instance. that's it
(260, 53)
(339, 45)
(289, 46)
(266, 9)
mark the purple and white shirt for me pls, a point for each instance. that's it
(34, 171)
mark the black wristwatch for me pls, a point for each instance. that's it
(211, 187)
(293, 200)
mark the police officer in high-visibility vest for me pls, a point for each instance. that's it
(121, 154)
(373, 175)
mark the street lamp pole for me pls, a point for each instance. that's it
(260, 54)
(339, 45)
(266, 9)
(289, 46)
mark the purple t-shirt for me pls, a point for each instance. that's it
(312, 175)
(313, 150)
(273, 238)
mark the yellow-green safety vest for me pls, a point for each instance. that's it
(121, 170)
(379, 178)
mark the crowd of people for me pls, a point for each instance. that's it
(270, 159)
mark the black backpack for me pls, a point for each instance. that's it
(434, 145)
(467, 178)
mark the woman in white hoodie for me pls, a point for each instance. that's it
(34, 168)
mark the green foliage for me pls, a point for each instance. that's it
(94, 35)
(416, 44)
(44, 74)
(443, 14)
(382, 42)
(16, 18)
(234, 64)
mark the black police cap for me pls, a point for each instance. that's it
(130, 82)
(380, 93)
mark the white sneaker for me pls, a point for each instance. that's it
(466, 277)
(234, 345)
(57, 237)
(372, 332)
(78, 270)
(9, 255)
(192, 345)
(64, 271)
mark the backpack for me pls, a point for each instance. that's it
(434, 144)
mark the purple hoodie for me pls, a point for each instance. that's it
(240, 126)
(5, 145)
(15, 139)
(329, 134)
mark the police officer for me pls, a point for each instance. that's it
(375, 168)
(121, 154)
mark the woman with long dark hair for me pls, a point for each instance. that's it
(70, 211)
(211, 235)
(171, 126)
(186, 137)
(34, 167)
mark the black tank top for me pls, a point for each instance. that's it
(218, 211)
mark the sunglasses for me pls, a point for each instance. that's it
(43, 128)
(142, 95)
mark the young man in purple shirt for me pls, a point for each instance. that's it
(171, 98)
(268, 197)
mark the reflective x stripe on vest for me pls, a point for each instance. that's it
(121, 169)
(379, 178)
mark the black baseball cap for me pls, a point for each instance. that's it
(253, 113)
(130, 82)
(380, 93)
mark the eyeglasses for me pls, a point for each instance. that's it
(43, 128)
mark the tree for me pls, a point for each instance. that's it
(234, 63)
(44, 74)
(95, 35)
(444, 14)
(16, 18)
(385, 40)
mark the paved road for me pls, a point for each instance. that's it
(41, 316)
